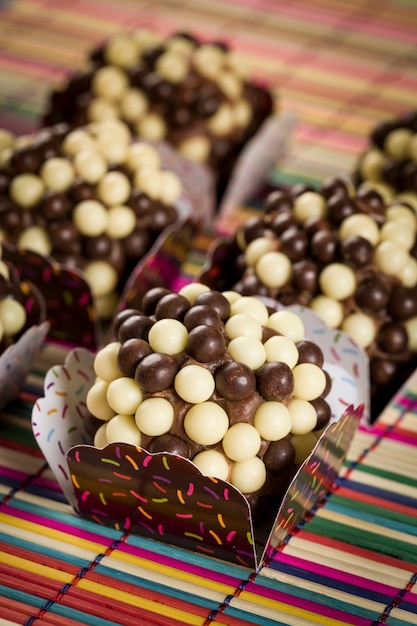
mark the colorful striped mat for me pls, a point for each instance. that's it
(340, 66)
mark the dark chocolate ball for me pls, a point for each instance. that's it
(294, 244)
(156, 372)
(281, 222)
(54, 205)
(152, 297)
(372, 295)
(278, 200)
(120, 317)
(323, 246)
(173, 306)
(216, 300)
(275, 381)
(323, 411)
(305, 276)
(382, 371)
(201, 314)
(130, 354)
(309, 352)
(136, 326)
(393, 338)
(235, 381)
(356, 251)
(254, 228)
(206, 344)
(170, 443)
(340, 207)
(403, 302)
(279, 456)
(64, 236)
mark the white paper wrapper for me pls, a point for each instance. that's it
(81, 469)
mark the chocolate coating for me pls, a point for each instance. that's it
(279, 456)
(131, 352)
(170, 443)
(156, 372)
(206, 344)
(235, 381)
(309, 352)
(275, 381)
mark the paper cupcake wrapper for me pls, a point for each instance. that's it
(163, 496)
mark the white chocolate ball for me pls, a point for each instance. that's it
(212, 463)
(97, 403)
(114, 189)
(123, 429)
(248, 350)
(90, 165)
(241, 442)
(206, 423)
(105, 362)
(303, 416)
(256, 249)
(35, 238)
(288, 324)
(100, 439)
(12, 316)
(168, 336)
(154, 416)
(274, 269)
(329, 309)
(361, 328)
(124, 395)
(26, 190)
(90, 218)
(272, 420)
(309, 204)
(248, 476)
(109, 82)
(309, 381)
(243, 325)
(390, 257)
(192, 291)
(280, 348)
(101, 276)
(250, 306)
(194, 383)
(337, 281)
(58, 174)
(359, 225)
(121, 221)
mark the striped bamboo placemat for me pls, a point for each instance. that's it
(341, 67)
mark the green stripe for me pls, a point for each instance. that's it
(364, 539)
(372, 513)
(374, 471)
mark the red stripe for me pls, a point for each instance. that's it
(351, 494)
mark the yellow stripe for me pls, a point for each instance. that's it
(149, 605)
(121, 559)
(35, 568)
(267, 608)
(65, 538)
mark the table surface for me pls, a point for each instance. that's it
(340, 67)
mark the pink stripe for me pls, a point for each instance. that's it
(184, 566)
(331, 573)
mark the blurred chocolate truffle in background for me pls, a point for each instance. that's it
(92, 198)
(193, 94)
(343, 252)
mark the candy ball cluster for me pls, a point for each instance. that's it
(13, 316)
(192, 94)
(389, 164)
(345, 254)
(214, 377)
(89, 197)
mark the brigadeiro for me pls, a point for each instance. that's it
(91, 198)
(344, 253)
(389, 163)
(217, 378)
(193, 94)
